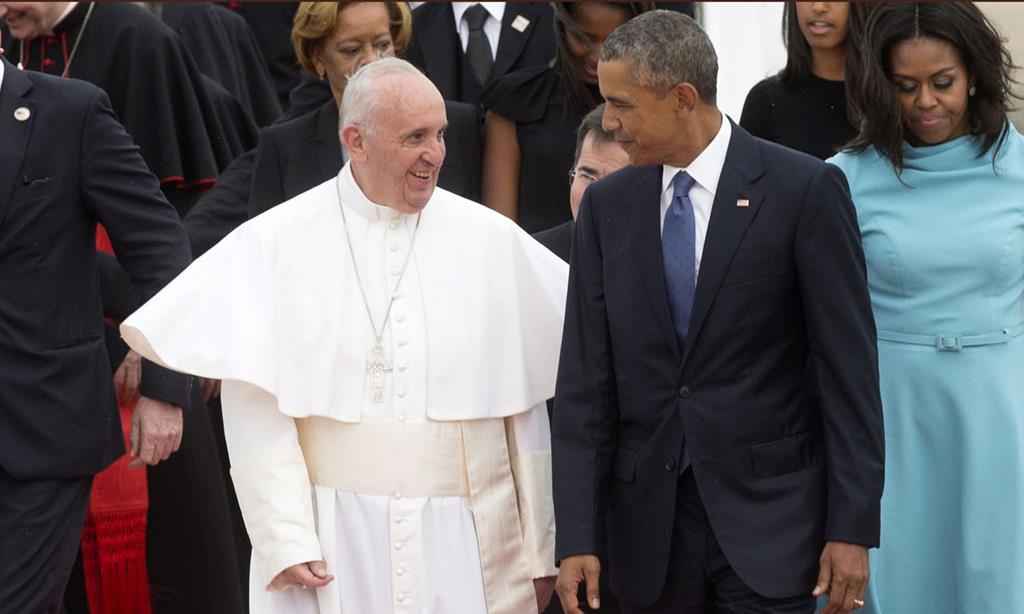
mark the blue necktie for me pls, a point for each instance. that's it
(678, 248)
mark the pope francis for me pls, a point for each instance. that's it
(386, 348)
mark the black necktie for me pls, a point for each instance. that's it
(478, 49)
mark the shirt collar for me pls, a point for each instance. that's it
(496, 10)
(353, 199)
(706, 168)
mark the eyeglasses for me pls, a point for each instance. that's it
(584, 176)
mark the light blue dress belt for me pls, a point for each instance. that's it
(954, 343)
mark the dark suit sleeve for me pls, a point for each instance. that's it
(414, 52)
(147, 236)
(223, 207)
(266, 190)
(586, 408)
(844, 356)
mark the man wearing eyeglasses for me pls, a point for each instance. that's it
(597, 155)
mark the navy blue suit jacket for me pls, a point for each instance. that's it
(776, 392)
(66, 163)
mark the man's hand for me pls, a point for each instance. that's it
(843, 576)
(304, 575)
(127, 378)
(544, 588)
(572, 571)
(156, 431)
(210, 388)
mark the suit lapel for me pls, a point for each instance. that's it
(727, 225)
(439, 43)
(14, 133)
(328, 144)
(512, 42)
(647, 236)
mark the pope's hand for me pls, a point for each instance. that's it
(573, 570)
(156, 431)
(544, 587)
(304, 575)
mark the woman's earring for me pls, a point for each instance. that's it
(972, 91)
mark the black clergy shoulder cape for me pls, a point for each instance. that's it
(153, 83)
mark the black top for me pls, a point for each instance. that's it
(534, 98)
(810, 118)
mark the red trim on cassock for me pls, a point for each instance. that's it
(179, 183)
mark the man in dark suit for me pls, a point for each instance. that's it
(452, 48)
(66, 164)
(597, 155)
(717, 430)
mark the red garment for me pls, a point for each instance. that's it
(114, 540)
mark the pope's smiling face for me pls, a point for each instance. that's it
(401, 153)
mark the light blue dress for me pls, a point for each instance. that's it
(945, 257)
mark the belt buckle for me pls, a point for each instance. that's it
(949, 343)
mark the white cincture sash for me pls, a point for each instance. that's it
(434, 459)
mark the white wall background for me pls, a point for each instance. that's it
(748, 39)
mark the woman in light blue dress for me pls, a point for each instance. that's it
(937, 176)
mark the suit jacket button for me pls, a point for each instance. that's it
(670, 465)
(684, 392)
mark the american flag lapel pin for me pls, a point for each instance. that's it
(743, 202)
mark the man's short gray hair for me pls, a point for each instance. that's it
(361, 102)
(666, 48)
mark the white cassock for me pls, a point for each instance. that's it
(435, 499)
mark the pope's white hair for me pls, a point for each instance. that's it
(362, 98)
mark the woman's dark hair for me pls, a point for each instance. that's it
(579, 98)
(962, 25)
(798, 52)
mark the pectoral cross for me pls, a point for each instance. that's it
(377, 368)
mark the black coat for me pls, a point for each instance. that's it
(775, 394)
(558, 239)
(67, 166)
(436, 50)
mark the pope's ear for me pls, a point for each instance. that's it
(353, 138)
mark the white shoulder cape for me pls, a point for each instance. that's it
(276, 304)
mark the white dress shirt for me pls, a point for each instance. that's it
(492, 27)
(705, 169)
(2, 68)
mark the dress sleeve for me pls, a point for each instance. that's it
(271, 480)
(529, 440)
